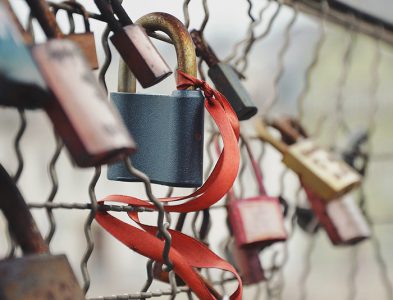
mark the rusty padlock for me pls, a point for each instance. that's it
(134, 45)
(342, 219)
(85, 40)
(258, 221)
(21, 83)
(225, 79)
(322, 172)
(168, 128)
(37, 275)
(78, 98)
(246, 261)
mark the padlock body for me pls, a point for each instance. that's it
(38, 277)
(228, 83)
(140, 55)
(87, 44)
(247, 262)
(348, 220)
(320, 171)
(90, 128)
(169, 134)
(21, 83)
(257, 222)
(341, 219)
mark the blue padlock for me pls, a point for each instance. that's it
(167, 129)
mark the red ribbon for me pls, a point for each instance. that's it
(187, 253)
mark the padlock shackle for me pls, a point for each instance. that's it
(106, 11)
(291, 130)
(46, 18)
(20, 221)
(121, 13)
(203, 49)
(83, 12)
(178, 33)
(255, 167)
(264, 135)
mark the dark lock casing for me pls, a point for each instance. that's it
(257, 222)
(140, 55)
(169, 134)
(88, 125)
(36, 275)
(342, 219)
(225, 79)
(21, 83)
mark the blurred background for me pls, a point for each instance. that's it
(336, 80)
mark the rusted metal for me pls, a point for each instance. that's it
(85, 40)
(37, 275)
(46, 18)
(182, 41)
(203, 49)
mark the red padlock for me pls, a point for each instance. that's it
(247, 262)
(342, 219)
(256, 221)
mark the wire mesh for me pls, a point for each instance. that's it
(202, 225)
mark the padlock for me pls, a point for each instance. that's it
(322, 172)
(134, 45)
(37, 275)
(225, 79)
(168, 129)
(258, 221)
(78, 99)
(246, 261)
(85, 40)
(21, 83)
(342, 219)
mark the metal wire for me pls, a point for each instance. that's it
(280, 257)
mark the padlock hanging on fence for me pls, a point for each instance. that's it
(341, 218)
(36, 275)
(256, 222)
(167, 129)
(21, 83)
(85, 40)
(326, 175)
(78, 98)
(133, 44)
(225, 79)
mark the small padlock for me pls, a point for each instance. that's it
(325, 174)
(168, 129)
(37, 275)
(342, 219)
(258, 221)
(225, 79)
(85, 40)
(133, 45)
(246, 261)
(21, 83)
(78, 98)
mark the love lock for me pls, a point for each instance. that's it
(167, 129)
